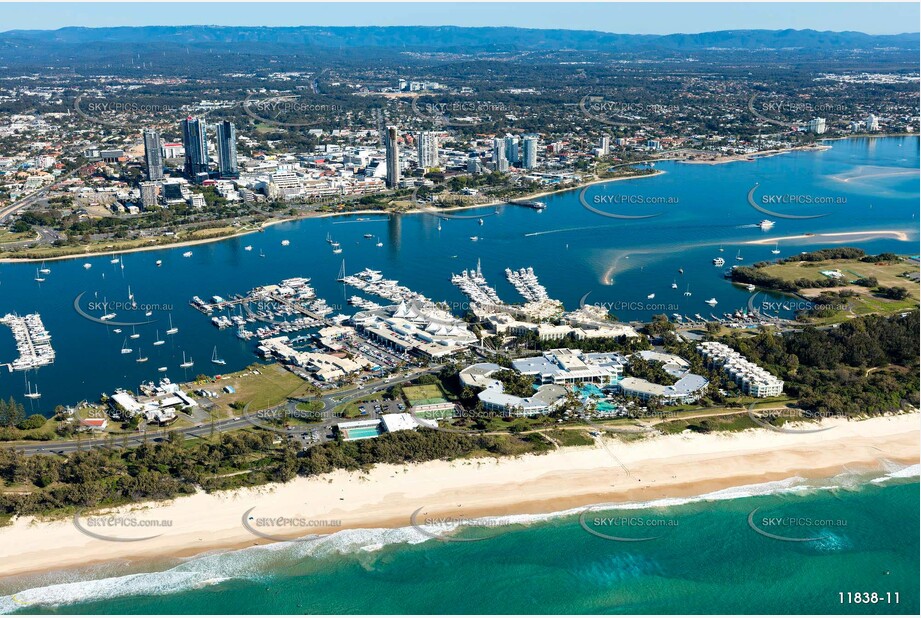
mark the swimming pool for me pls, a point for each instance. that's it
(360, 433)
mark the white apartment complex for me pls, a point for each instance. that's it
(752, 379)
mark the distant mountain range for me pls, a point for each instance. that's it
(444, 38)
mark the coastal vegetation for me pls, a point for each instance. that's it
(45, 484)
(866, 366)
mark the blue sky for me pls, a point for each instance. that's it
(631, 18)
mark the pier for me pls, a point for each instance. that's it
(32, 341)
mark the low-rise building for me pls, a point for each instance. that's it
(567, 366)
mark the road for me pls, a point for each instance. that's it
(330, 401)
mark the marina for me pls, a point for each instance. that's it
(33, 341)
(575, 253)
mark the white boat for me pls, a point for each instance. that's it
(329, 238)
(474, 238)
(721, 249)
(158, 341)
(675, 284)
(32, 395)
(148, 313)
(248, 248)
(379, 243)
(261, 253)
(687, 292)
(113, 260)
(159, 262)
(650, 296)
(750, 287)
(215, 359)
(109, 316)
(134, 334)
(141, 359)
(481, 222)
(44, 270)
(285, 243)
(186, 363)
(369, 235)
(718, 261)
(117, 330)
(766, 224)
(775, 250)
(439, 225)
(121, 264)
(711, 302)
(337, 250)
(87, 265)
(38, 277)
(125, 348)
(739, 255)
(187, 254)
(172, 330)
(161, 369)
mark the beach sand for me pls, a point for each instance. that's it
(672, 466)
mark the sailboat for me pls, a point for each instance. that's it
(158, 341)
(134, 334)
(688, 291)
(125, 348)
(186, 363)
(775, 250)
(739, 255)
(38, 277)
(379, 243)
(32, 395)
(651, 296)
(114, 260)
(248, 248)
(675, 284)
(261, 253)
(141, 359)
(439, 225)
(721, 249)
(121, 264)
(341, 272)
(215, 359)
(161, 369)
(44, 270)
(172, 330)
(337, 250)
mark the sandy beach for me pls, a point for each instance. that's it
(835, 236)
(671, 466)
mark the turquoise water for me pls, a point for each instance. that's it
(576, 253)
(363, 432)
(706, 559)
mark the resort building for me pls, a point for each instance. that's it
(545, 399)
(752, 379)
(415, 327)
(325, 367)
(686, 390)
(567, 366)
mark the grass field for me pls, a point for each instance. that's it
(888, 275)
(423, 393)
(270, 387)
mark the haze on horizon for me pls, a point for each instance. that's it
(625, 18)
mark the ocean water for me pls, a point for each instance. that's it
(578, 254)
(705, 558)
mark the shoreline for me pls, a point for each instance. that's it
(664, 467)
(313, 215)
(896, 234)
